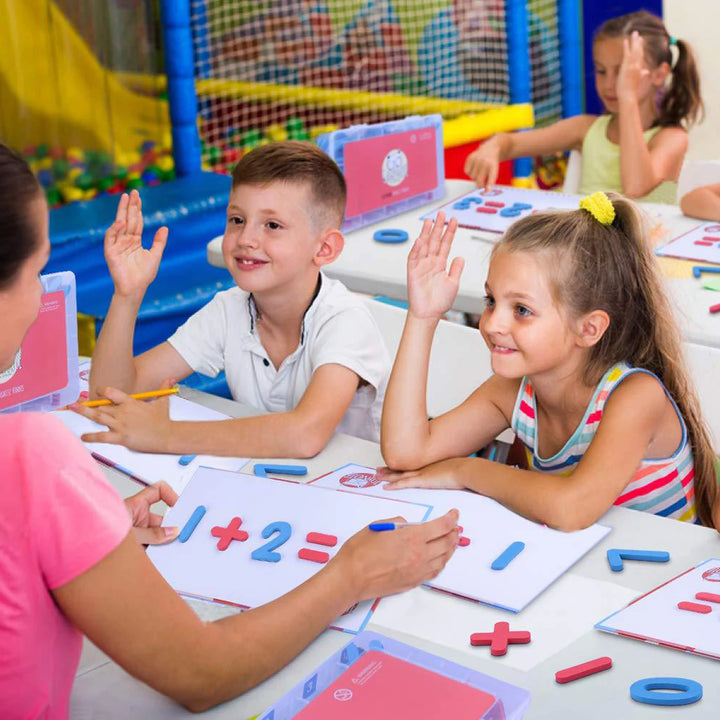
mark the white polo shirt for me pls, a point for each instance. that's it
(337, 328)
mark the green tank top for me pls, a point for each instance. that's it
(601, 165)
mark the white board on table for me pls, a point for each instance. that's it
(197, 567)
(702, 244)
(497, 221)
(656, 618)
(491, 528)
(153, 467)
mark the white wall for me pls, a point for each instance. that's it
(698, 23)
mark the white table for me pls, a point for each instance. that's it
(561, 622)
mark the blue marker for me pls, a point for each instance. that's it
(381, 526)
(186, 459)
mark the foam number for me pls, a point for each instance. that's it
(265, 552)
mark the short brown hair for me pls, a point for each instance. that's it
(298, 162)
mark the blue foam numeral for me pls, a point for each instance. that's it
(265, 552)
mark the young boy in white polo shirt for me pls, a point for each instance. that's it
(293, 343)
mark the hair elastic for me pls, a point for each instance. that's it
(672, 40)
(599, 206)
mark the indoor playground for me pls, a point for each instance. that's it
(438, 121)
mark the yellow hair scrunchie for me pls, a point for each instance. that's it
(599, 206)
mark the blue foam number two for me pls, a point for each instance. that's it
(265, 552)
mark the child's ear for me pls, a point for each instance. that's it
(659, 75)
(332, 243)
(592, 327)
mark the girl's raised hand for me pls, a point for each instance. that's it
(431, 287)
(633, 69)
(131, 266)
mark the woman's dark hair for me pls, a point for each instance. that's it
(18, 239)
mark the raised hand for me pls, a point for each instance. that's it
(482, 165)
(431, 287)
(131, 266)
(633, 69)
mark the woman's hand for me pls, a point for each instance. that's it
(431, 287)
(384, 563)
(148, 525)
(131, 266)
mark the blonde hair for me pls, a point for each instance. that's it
(611, 267)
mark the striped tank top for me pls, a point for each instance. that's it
(663, 486)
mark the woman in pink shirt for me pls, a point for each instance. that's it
(70, 563)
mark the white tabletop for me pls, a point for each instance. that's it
(561, 621)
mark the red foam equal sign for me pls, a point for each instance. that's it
(707, 597)
(708, 238)
(463, 541)
(484, 209)
(705, 243)
(321, 539)
(694, 607)
(583, 670)
(313, 555)
(494, 203)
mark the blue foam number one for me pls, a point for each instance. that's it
(507, 555)
(685, 691)
(192, 523)
(265, 552)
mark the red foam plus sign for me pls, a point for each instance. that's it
(500, 637)
(229, 533)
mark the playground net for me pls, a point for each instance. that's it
(291, 68)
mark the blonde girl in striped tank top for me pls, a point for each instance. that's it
(588, 372)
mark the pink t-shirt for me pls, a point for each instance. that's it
(58, 518)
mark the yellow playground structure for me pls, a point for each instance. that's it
(49, 81)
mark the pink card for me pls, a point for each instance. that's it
(43, 356)
(389, 168)
(384, 687)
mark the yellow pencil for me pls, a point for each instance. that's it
(137, 396)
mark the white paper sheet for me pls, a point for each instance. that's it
(656, 618)
(491, 528)
(563, 615)
(538, 200)
(701, 243)
(153, 467)
(198, 568)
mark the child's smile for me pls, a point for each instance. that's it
(521, 324)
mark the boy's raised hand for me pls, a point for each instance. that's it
(131, 266)
(633, 69)
(431, 287)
